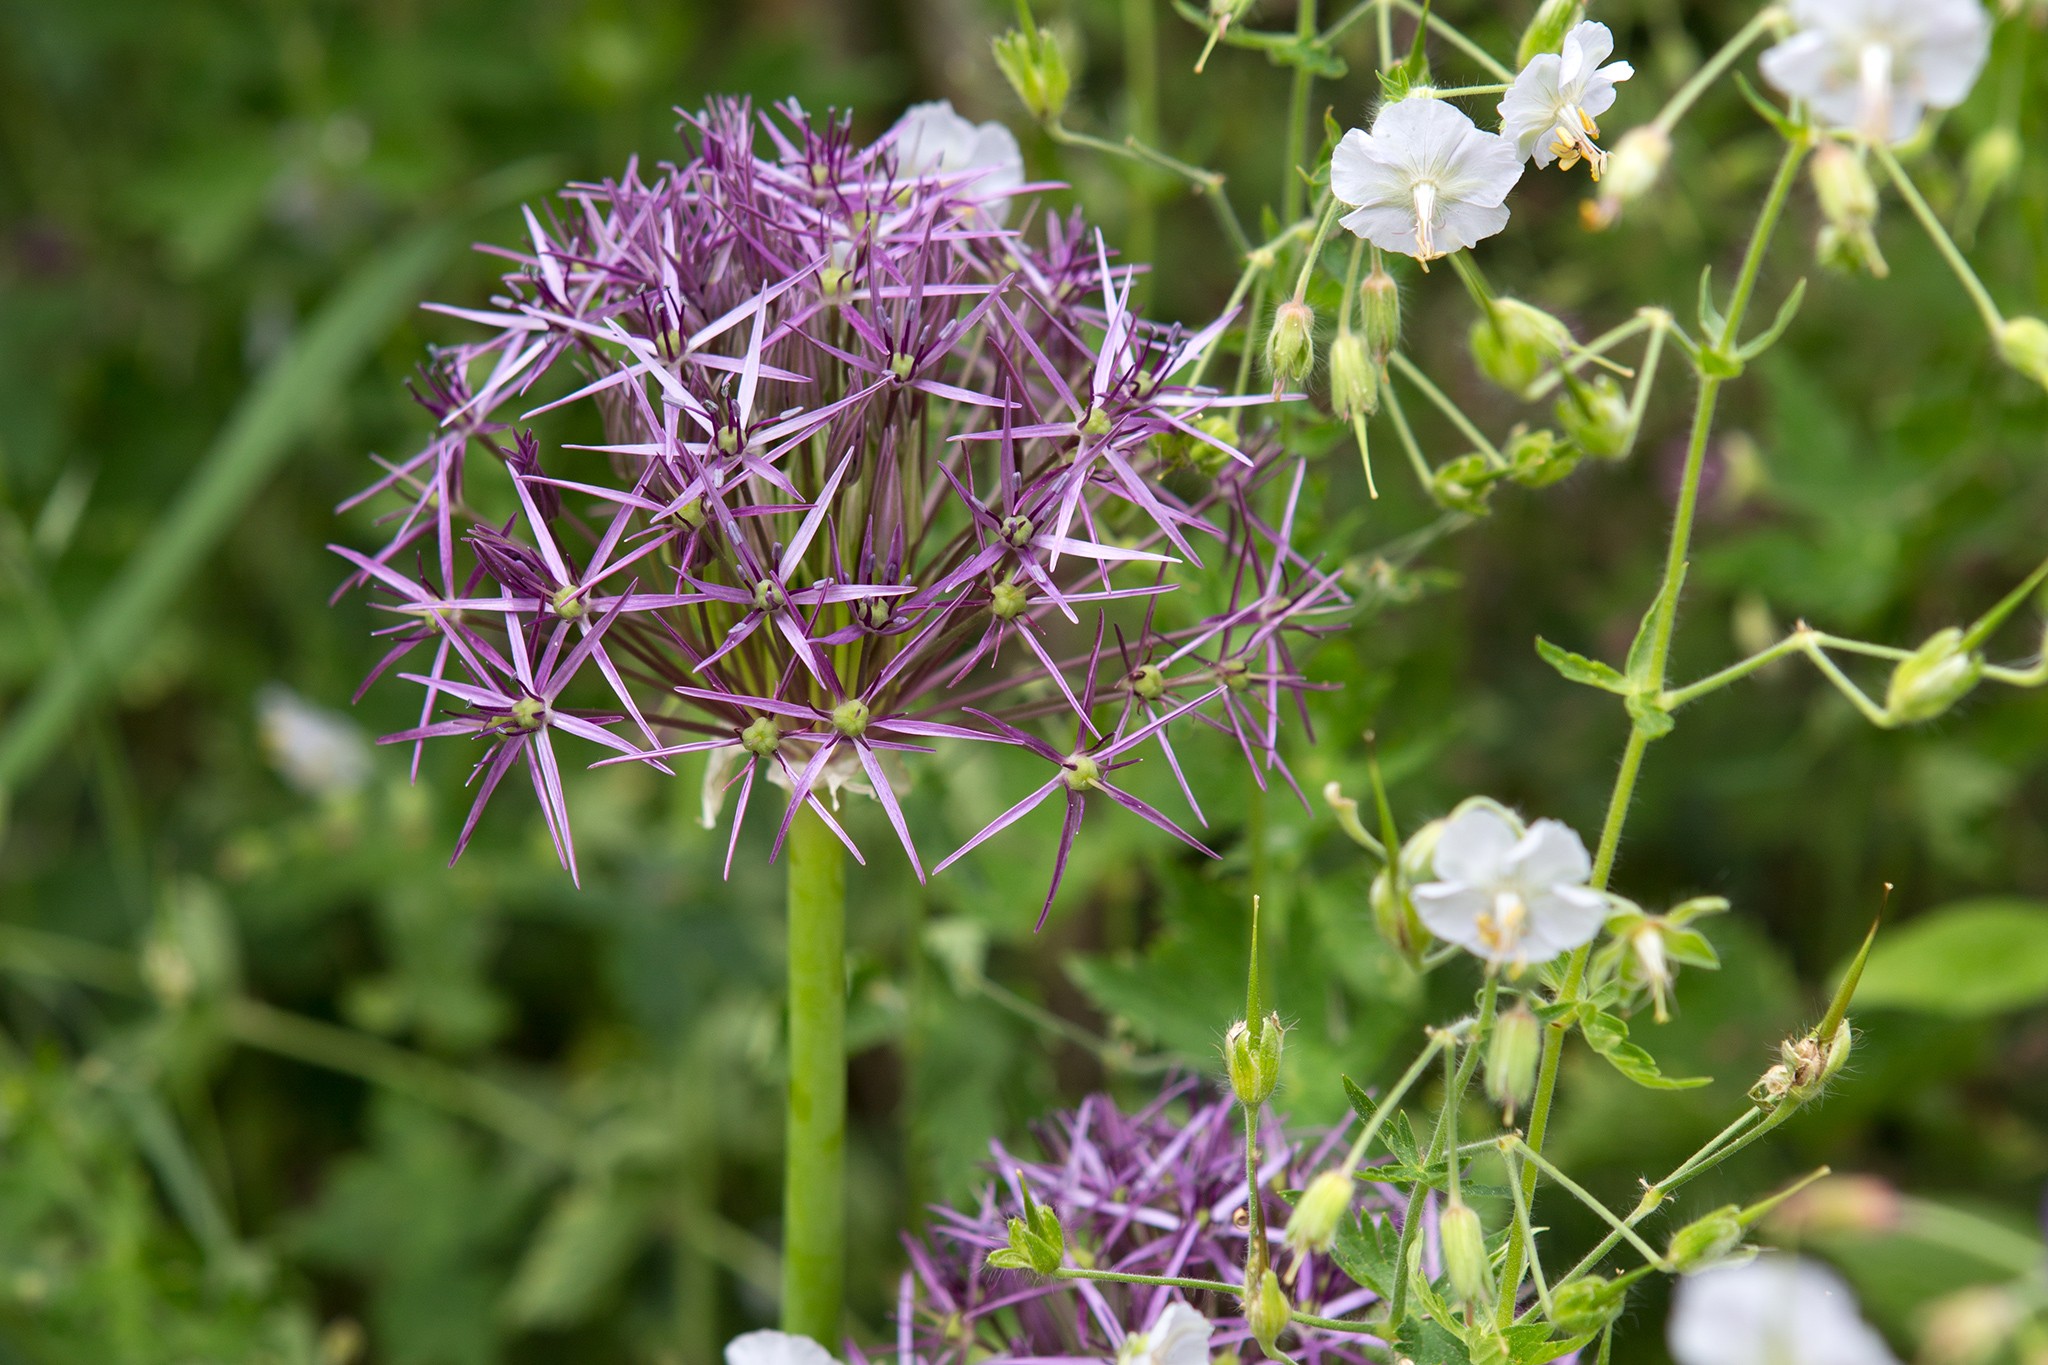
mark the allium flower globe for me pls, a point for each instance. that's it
(835, 467)
(1877, 66)
(1155, 1192)
(1548, 112)
(1426, 181)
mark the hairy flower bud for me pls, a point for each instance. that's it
(1037, 70)
(1312, 1227)
(1266, 1310)
(1466, 1265)
(2023, 344)
(1633, 169)
(1291, 345)
(1848, 201)
(1932, 679)
(1706, 1240)
(1539, 458)
(1379, 313)
(1253, 1063)
(1354, 378)
(1586, 1305)
(1554, 19)
(1514, 342)
(1595, 414)
(1511, 1057)
(1464, 484)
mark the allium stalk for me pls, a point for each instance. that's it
(803, 455)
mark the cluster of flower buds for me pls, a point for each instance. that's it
(843, 464)
(1032, 61)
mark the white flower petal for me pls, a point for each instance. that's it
(1930, 52)
(1451, 912)
(1550, 853)
(775, 1348)
(1560, 919)
(1180, 1336)
(933, 139)
(1474, 847)
(1779, 1309)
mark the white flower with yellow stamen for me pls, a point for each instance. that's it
(1877, 66)
(1425, 181)
(1549, 111)
(1510, 894)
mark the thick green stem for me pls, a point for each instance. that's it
(814, 1169)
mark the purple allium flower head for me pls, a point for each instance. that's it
(793, 455)
(1157, 1192)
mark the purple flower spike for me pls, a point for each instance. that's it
(1156, 1192)
(844, 467)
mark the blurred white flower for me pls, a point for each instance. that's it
(1548, 112)
(931, 139)
(1776, 1309)
(1179, 1336)
(1877, 66)
(320, 752)
(1425, 181)
(1510, 895)
(775, 1348)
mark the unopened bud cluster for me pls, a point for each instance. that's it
(1037, 70)
(1251, 1054)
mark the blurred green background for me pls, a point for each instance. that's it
(276, 1085)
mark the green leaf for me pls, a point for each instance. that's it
(1653, 720)
(1530, 1344)
(1368, 1249)
(1609, 1037)
(581, 1250)
(1967, 960)
(1638, 666)
(1580, 669)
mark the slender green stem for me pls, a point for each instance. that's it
(1257, 1251)
(1297, 114)
(1390, 1103)
(1423, 472)
(1644, 320)
(1162, 1281)
(1448, 92)
(1207, 183)
(1987, 307)
(1527, 1225)
(1662, 625)
(1688, 94)
(1605, 1214)
(1315, 251)
(1412, 372)
(814, 1170)
(1443, 29)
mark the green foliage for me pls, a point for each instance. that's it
(1971, 959)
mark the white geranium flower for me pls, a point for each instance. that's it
(1425, 181)
(1877, 66)
(1549, 111)
(1179, 1336)
(1776, 1309)
(931, 139)
(1511, 895)
(320, 752)
(775, 1348)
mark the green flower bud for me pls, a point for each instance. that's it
(1511, 1057)
(1537, 459)
(1466, 1265)
(1853, 251)
(1842, 182)
(1394, 914)
(1266, 1310)
(1633, 169)
(1312, 1227)
(1291, 345)
(1253, 1063)
(1038, 1242)
(1586, 1305)
(1464, 484)
(1992, 162)
(1379, 314)
(2023, 344)
(1707, 1240)
(1594, 414)
(1514, 343)
(1037, 70)
(1554, 19)
(1932, 679)
(1354, 378)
